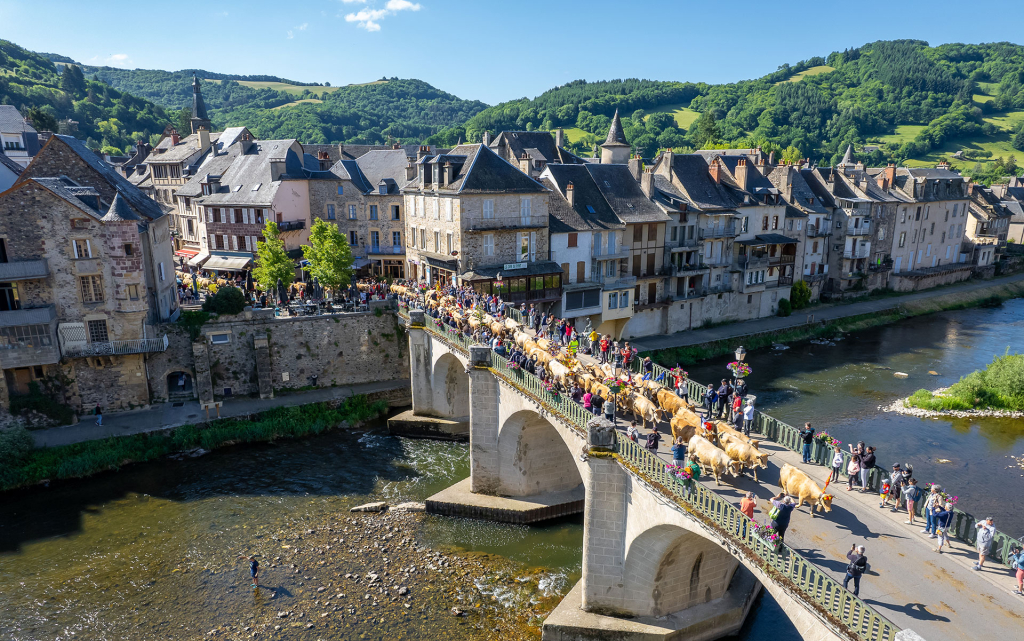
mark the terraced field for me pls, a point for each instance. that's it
(298, 102)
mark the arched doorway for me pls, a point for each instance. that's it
(180, 387)
(533, 457)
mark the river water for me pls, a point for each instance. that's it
(151, 552)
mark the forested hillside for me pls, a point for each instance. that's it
(105, 117)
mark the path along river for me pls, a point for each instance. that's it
(151, 552)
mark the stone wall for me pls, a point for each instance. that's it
(916, 281)
(341, 349)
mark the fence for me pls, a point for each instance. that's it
(784, 564)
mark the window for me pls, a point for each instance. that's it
(488, 208)
(451, 243)
(133, 292)
(163, 276)
(903, 238)
(948, 248)
(25, 336)
(903, 216)
(814, 247)
(423, 239)
(395, 213)
(92, 289)
(437, 241)
(624, 299)
(341, 190)
(239, 216)
(525, 214)
(675, 234)
(374, 241)
(764, 223)
(572, 239)
(330, 212)
(412, 237)
(579, 300)
(373, 212)
(917, 215)
(524, 247)
(98, 331)
(955, 207)
(932, 232)
(396, 239)
(597, 244)
(943, 239)
(638, 233)
(789, 225)
(611, 242)
(565, 272)
(353, 238)
(947, 216)
(613, 300)
(129, 249)
(581, 271)
(382, 190)
(929, 253)
(82, 249)
(9, 297)
(220, 339)
(652, 233)
(448, 208)
(219, 241)
(775, 222)
(351, 212)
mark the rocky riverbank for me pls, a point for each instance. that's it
(901, 406)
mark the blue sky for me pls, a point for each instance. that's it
(486, 50)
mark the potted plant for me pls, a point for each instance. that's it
(767, 534)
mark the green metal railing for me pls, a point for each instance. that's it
(783, 564)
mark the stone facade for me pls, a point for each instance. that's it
(337, 350)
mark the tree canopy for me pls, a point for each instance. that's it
(272, 262)
(329, 256)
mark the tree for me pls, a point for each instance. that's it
(785, 308)
(791, 155)
(227, 300)
(800, 295)
(329, 256)
(183, 122)
(72, 81)
(41, 120)
(706, 130)
(272, 262)
(1018, 139)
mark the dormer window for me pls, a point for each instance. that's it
(383, 190)
(207, 189)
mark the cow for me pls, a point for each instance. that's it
(586, 380)
(601, 390)
(497, 329)
(544, 344)
(512, 325)
(521, 338)
(560, 372)
(796, 483)
(743, 453)
(646, 411)
(711, 458)
(543, 358)
(725, 428)
(682, 427)
(669, 402)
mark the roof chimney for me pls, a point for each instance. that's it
(204, 139)
(741, 173)
(636, 165)
(943, 165)
(175, 138)
(524, 163)
(559, 137)
(487, 139)
(647, 181)
(447, 174)
(713, 169)
(570, 194)
(887, 176)
(422, 152)
(771, 157)
(324, 159)
(410, 171)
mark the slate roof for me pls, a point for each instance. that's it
(142, 204)
(165, 152)
(119, 211)
(667, 196)
(847, 157)
(985, 204)
(624, 195)
(12, 122)
(384, 165)
(799, 195)
(246, 178)
(586, 196)
(57, 187)
(483, 171)
(616, 138)
(10, 164)
(691, 171)
(538, 145)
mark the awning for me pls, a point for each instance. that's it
(197, 260)
(768, 239)
(187, 253)
(359, 263)
(228, 261)
(536, 268)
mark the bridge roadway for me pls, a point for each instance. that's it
(937, 596)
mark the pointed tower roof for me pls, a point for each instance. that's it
(119, 211)
(615, 136)
(198, 106)
(847, 157)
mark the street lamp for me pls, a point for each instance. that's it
(740, 353)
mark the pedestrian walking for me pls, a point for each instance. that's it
(943, 521)
(782, 511)
(858, 565)
(747, 504)
(986, 534)
(254, 569)
(911, 494)
(597, 402)
(837, 465)
(632, 432)
(1017, 560)
(807, 435)
(653, 440)
(748, 417)
(99, 414)
(679, 451)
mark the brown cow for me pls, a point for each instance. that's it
(746, 455)
(796, 483)
(669, 401)
(711, 458)
(644, 409)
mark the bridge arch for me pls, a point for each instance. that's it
(449, 385)
(533, 456)
(669, 568)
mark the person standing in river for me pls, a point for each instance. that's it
(254, 569)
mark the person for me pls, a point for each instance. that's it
(986, 534)
(747, 505)
(710, 399)
(853, 467)
(858, 564)
(653, 440)
(605, 344)
(254, 569)
(647, 366)
(592, 339)
(911, 494)
(1017, 557)
(867, 462)
(679, 451)
(736, 415)
(574, 346)
(597, 402)
(782, 510)
(691, 485)
(588, 402)
(682, 389)
(741, 388)
(99, 414)
(627, 355)
(837, 464)
(633, 433)
(724, 390)
(895, 487)
(807, 435)
(943, 521)
(932, 503)
(748, 417)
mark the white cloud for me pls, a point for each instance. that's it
(301, 27)
(290, 34)
(119, 57)
(113, 60)
(369, 19)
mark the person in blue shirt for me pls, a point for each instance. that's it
(807, 435)
(785, 506)
(254, 569)
(943, 521)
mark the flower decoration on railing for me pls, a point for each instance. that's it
(824, 438)
(550, 387)
(739, 369)
(766, 532)
(679, 371)
(678, 471)
(614, 385)
(513, 365)
(945, 496)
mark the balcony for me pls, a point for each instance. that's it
(385, 250)
(863, 230)
(619, 282)
(24, 270)
(533, 295)
(683, 243)
(816, 231)
(724, 231)
(118, 348)
(854, 254)
(883, 266)
(751, 262)
(689, 269)
(27, 337)
(785, 281)
(781, 259)
(811, 278)
(291, 225)
(498, 224)
(622, 251)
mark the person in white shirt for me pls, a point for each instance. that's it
(986, 534)
(748, 418)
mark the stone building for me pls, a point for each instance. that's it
(810, 212)
(473, 216)
(76, 316)
(987, 228)
(363, 198)
(9, 171)
(1011, 195)
(19, 140)
(532, 151)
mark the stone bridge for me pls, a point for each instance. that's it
(657, 564)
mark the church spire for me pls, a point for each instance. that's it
(615, 149)
(200, 119)
(847, 157)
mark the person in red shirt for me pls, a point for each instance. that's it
(604, 349)
(747, 505)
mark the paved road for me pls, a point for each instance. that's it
(820, 313)
(166, 415)
(937, 596)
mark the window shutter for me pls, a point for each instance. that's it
(213, 241)
(533, 244)
(74, 248)
(88, 249)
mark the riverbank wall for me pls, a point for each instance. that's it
(961, 299)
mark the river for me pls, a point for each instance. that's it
(150, 552)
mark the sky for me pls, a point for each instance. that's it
(489, 50)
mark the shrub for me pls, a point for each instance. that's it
(227, 300)
(800, 295)
(40, 401)
(193, 320)
(785, 307)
